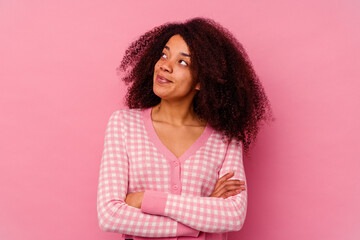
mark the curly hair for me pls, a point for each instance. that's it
(231, 97)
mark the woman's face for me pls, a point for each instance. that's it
(172, 75)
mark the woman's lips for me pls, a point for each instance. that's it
(161, 79)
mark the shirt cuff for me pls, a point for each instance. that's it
(154, 202)
(183, 230)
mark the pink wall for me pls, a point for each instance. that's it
(58, 87)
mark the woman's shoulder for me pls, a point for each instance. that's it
(128, 116)
(126, 112)
(219, 138)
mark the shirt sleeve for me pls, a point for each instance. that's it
(206, 214)
(114, 215)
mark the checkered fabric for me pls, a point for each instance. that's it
(176, 202)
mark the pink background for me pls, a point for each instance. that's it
(58, 87)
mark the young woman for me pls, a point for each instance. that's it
(172, 165)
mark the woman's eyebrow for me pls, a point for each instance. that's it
(184, 54)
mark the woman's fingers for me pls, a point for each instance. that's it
(231, 193)
(223, 179)
(226, 194)
(225, 187)
(230, 186)
(219, 182)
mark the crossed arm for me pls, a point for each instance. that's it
(163, 214)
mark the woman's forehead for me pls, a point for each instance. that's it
(177, 44)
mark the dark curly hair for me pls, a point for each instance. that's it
(231, 97)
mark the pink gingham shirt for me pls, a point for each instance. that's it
(176, 202)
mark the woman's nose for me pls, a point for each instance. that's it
(166, 67)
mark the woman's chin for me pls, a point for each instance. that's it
(161, 94)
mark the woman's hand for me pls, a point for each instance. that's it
(225, 188)
(134, 199)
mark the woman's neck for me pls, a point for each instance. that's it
(175, 114)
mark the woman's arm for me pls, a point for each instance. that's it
(114, 214)
(206, 214)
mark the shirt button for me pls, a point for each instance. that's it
(175, 187)
(176, 163)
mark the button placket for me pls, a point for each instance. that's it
(175, 185)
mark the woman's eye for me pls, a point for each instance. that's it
(163, 55)
(185, 63)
